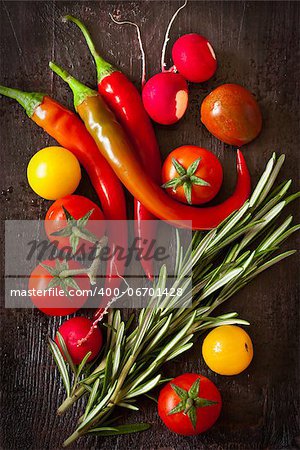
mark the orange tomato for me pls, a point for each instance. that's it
(227, 350)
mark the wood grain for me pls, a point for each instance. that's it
(257, 45)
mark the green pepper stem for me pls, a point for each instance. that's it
(103, 67)
(29, 100)
(80, 91)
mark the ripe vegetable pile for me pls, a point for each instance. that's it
(113, 139)
(223, 261)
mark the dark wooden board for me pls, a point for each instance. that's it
(257, 44)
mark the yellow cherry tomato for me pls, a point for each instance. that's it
(227, 350)
(53, 172)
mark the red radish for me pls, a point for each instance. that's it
(165, 97)
(75, 330)
(194, 58)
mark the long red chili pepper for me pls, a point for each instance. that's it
(125, 101)
(67, 129)
(115, 147)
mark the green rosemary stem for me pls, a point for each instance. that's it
(69, 401)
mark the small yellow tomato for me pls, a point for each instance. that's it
(53, 172)
(227, 350)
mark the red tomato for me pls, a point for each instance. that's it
(186, 184)
(75, 329)
(197, 409)
(52, 303)
(78, 207)
(232, 114)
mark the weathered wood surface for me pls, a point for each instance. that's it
(257, 44)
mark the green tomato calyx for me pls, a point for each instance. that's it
(190, 401)
(186, 178)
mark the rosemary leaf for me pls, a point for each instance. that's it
(82, 364)
(228, 277)
(97, 409)
(61, 365)
(144, 387)
(65, 352)
(255, 197)
(273, 261)
(92, 398)
(129, 406)
(121, 429)
(107, 373)
(118, 349)
(272, 178)
(180, 350)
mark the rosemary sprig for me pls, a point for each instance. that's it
(223, 261)
(58, 355)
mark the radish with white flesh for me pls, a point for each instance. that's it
(165, 97)
(74, 332)
(194, 58)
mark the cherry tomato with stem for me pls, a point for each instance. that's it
(192, 175)
(74, 221)
(189, 404)
(59, 288)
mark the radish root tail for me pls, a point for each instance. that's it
(139, 36)
(166, 40)
(104, 312)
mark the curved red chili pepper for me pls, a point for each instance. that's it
(114, 145)
(69, 131)
(125, 101)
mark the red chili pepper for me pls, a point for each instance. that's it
(67, 129)
(125, 101)
(114, 145)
